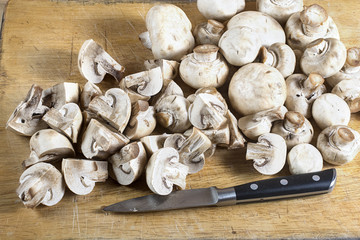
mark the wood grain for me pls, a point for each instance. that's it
(40, 43)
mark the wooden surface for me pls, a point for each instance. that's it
(40, 42)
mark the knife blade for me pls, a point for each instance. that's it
(269, 189)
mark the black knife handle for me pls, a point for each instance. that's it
(286, 187)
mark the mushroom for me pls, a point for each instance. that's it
(100, 142)
(172, 113)
(129, 163)
(295, 129)
(298, 54)
(254, 125)
(268, 154)
(349, 91)
(219, 136)
(27, 116)
(164, 170)
(308, 25)
(60, 94)
(213, 91)
(237, 140)
(302, 91)
(89, 92)
(279, 56)
(208, 32)
(170, 87)
(142, 121)
(48, 145)
(329, 109)
(169, 68)
(133, 95)
(94, 62)
(169, 32)
(338, 144)
(66, 120)
(81, 174)
(147, 83)
(175, 141)
(323, 56)
(204, 68)
(240, 45)
(220, 10)
(41, 183)
(304, 158)
(114, 107)
(280, 10)
(153, 143)
(256, 87)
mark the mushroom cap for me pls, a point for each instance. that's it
(324, 56)
(88, 93)
(220, 10)
(256, 87)
(329, 109)
(349, 91)
(304, 158)
(152, 143)
(280, 10)
(81, 174)
(208, 32)
(41, 183)
(169, 68)
(60, 94)
(271, 31)
(170, 87)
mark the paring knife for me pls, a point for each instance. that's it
(270, 189)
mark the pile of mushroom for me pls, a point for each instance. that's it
(284, 53)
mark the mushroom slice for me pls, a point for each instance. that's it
(219, 136)
(295, 129)
(169, 68)
(302, 91)
(349, 90)
(172, 113)
(212, 91)
(114, 107)
(324, 56)
(100, 142)
(94, 62)
(170, 87)
(26, 118)
(48, 145)
(133, 96)
(338, 144)
(208, 32)
(254, 125)
(153, 143)
(221, 11)
(147, 83)
(304, 158)
(268, 154)
(237, 140)
(129, 163)
(142, 122)
(60, 94)
(41, 183)
(175, 141)
(89, 92)
(329, 109)
(81, 175)
(66, 120)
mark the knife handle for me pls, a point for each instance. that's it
(286, 187)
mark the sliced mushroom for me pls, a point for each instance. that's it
(100, 142)
(164, 170)
(323, 56)
(175, 141)
(169, 68)
(170, 87)
(88, 93)
(219, 136)
(66, 120)
(338, 144)
(48, 145)
(213, 91)
(94, 62)
(302, 91)
(60, 94)
(26, 118)
(254, 125)
(304, 158)
(329, 109)
(204, 68)
(41, 183)
(237, 140)
(81, 174)
(133, 95)
(268, 154)
(129, 163)
(114, 107)
(221, 11)
(349, 91)
(153, 143)
(208, 32)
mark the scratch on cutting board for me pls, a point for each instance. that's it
(76, 216)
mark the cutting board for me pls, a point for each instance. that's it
(40, 43)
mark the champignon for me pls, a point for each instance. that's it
(213, 91)
(208, 32)
(164, 170)
(349, 91)
(133, 95)
(88, 93)
(304, 158)
(220, 10)
(60, 94)
(169, 68)
(81, 174)
(338, 144)
(237, 140)
(170, 87)
(175, 141)
(268, 154)
(153, 143)
(220, 136)
(94, 62)
(41, 183)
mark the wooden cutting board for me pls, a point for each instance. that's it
(40, 42)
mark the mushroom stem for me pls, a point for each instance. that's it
(260, 152)
(206, 53)
(314, 21)
(352, 64)
(106, 64)
(145, 40)
(313, 81)
(294, 122)
(214, 27)
(176, 173)
(342, 139)
(318, 47)
(268, 57)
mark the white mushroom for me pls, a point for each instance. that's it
(60, 94)
(94, 62)
(164, 170)
(220, 10)
(48, 145)
(170, 87)
(81, 174)
(220, 136)
(304, 158)
(349, 90)
(88, 93)
(169, 68)
(213, 91)
(153, 143)
(175, 141)
(41, 183)
(268, 154)
(329, 109)
(237, 140)
(208, 32)
(338, 144)
(133, 95)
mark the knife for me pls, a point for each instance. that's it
(270, 189)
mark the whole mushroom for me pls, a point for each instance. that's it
(349, 90)
(220, 10)
(304, 158)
